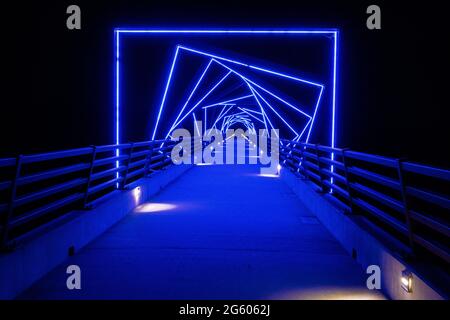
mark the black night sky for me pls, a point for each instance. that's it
(393, 82)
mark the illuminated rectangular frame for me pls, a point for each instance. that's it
(118, 31)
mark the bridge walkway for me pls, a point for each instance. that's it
(218, 232)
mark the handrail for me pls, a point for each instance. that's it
(410, 201)
(36, 189)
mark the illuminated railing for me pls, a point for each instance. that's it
(38, 189)
(403, 199)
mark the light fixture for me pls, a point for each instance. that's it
(137, 193)
(406, 281)
(120, 34)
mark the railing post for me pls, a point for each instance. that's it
(305, 168)
(288, 150)
(195, 151)
(148, 159)
(130, 154)
(347, 180)
(12, 198)
(163, 158)
(88, 184)
(322, 185)
(283, 153)
(405, 203)
(166, 154)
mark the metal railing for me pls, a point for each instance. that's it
(41, 188)
(409, 201)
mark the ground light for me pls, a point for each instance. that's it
(154, 207)
(137, 194)
(406, 281)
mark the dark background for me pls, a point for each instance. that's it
(393, 93)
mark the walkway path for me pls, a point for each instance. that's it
(218, 232)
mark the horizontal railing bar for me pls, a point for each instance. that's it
(56, 155)
(312, 175)
(337, 189)
(158, 149)
(296, 151)
(311, 165)
(135, 173)
(101, 198)
(381, 215)
(105, 173)
(372, 158)
(157, 157)
(49, 191)
(309, 155)
(162, 149)
(5, 185)
(137, 154)
(45, 209)
(101, 162)
(137, 163)
(374, 177)
(336, 151)
(426, 170)
(297, 159)
(336, 164)
(161, 141)
(307, 145)
(104, 185)
(51, 174)
(7, 162)
(437, 250)
(401, 228)
(292, 164)
(112, 147)
(335, 175)
(380, 197)
(142, 144)
(429, 197)
(429, 222)
(156, 164)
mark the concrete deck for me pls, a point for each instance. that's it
(218, 232)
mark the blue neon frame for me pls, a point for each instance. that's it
(118, 31)
(217, 59)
